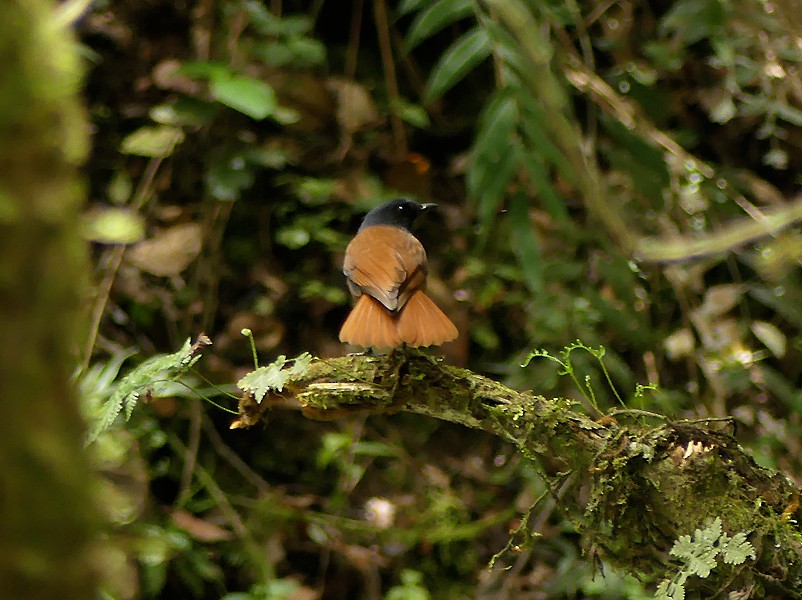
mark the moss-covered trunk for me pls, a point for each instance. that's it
(46, 512)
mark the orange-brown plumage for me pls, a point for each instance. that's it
(386, 268)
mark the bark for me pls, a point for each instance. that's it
(632, 482)
(46, 513)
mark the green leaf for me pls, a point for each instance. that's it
(525, 244)
(737, 549)
(228, 175)
(489, 181)
(293, 237)
(456, 62)
(669, 590)
(699, 553)
(694, 20)
(408, 6)
(273, 376)
(494, 161)
(113, 226)
(261, 380)
(301, 364)
(434, 18)
(157, 141)
(414, 114)
(247, 95)
(204, 69)
(551, 199)
(191, 112)
(534, 128)
(148, 378)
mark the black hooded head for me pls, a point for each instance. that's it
(397, 213)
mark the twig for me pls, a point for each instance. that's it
(191, 454)
(233, 458)
(352, 54)
(138, 201)
(386, 49)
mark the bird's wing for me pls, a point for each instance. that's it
(386, 262)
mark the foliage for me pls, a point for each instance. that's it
(273, 376)
(151, 378)
(700, 555)
(617, 173)
(410, 588)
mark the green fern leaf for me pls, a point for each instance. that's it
(669, 590)
(699, 553)
(273, 376)
(148, 378)
(737, 549)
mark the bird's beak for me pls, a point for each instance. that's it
(430, 206)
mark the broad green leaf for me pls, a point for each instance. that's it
(247, 95)
(507, 49)
(496, 126)
(489, 181)
(434, 18)
(157, 141)
(494, 160)
(113, 226)
(191, 112)
(525, 243)
(456, 62)
(534, 126)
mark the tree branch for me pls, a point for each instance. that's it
(637, 487)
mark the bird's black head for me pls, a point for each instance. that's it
(398, 213)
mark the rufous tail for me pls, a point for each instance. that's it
(370, 325)
(420, 323)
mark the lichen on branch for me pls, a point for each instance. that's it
(636, 486)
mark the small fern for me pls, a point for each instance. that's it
(274, 376)
(699, 555)
(149, 378)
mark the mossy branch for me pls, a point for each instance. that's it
(636, 488)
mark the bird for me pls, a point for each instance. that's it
(385, 267)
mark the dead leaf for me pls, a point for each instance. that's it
(168, 252)
(167, 77)
(720, 299)
(355, 107)
(200, 529)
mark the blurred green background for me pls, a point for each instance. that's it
(620, 173)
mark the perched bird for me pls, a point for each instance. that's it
(386, 267)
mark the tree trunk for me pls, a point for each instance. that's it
(47, 517)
